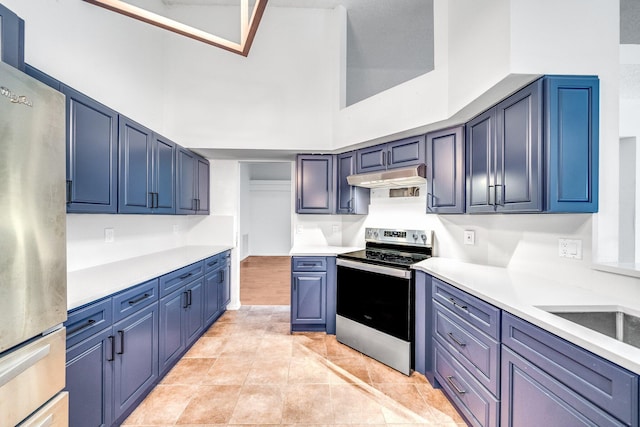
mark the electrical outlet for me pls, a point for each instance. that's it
(299, 229)
(469, 237)
(176, 228)
(568, 248)
(335, 228)
(109, 235)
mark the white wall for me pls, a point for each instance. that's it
(270, 211)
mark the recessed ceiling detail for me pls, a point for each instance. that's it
(249, 21)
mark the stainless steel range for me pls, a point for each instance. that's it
(376, 295)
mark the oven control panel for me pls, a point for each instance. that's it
(406, 237)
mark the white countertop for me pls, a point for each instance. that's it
(91, 284)
(521, 294)
(320, 250)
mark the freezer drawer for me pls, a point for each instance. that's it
(54, 414)
(30, 376)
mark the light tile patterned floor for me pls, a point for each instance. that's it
(248, 370)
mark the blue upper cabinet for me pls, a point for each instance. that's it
(192, 183)
(92, 138)
(397, 154)
(314, 184)
(43, 77)
(11, 38)
(445, 171)
(537, 150)
(147, 165)
(350, 199)
(571, 114)
(504, 160)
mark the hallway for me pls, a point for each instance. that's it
(249, 370)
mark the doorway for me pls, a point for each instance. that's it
(265, 232)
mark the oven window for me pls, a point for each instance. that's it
(376, 300)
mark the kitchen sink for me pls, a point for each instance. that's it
(617, 324)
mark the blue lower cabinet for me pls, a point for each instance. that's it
(171, 336)
(136, 360)
(212, 297)
(89, 371)
(313, 294)
(573, 385)
(308, 299)
(194, 322)
(476, 403)
(532, 397)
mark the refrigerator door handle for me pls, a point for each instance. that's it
(14, 368)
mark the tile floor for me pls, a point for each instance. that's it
(247, 369)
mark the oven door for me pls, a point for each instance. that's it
(376, 296)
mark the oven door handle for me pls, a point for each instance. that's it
(374, 268)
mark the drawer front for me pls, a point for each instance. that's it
(213, 262)
(40, 362)
(472, 399)
(226, 257)
(476, 351)
(309, 264)
(134, 299)
(54, 414)
(609, 386)
(86, 321)
(480, 314)
(176, 279)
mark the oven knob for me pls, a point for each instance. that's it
(375, 234)
(424, 238)
(415, 237)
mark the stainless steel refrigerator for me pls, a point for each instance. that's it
(33, 284)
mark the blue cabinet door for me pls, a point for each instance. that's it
(350, 200)
(194, 313)
(445, 171)
(186, 176)
(202, 197)
(406, 152)
(11, 38)
(163, 182)
(309, 298)
(572, 112)
(92, 143)
(171, 337)
(315, 184)
(212, 297)
(518, 151)
(531, 397)
(135, 194)
(136, 359)
(480, 134)
(372, 159)
(89, 376)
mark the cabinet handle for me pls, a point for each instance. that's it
(121, 335)
(89, 323)
(384, 155)
(455, 304)
(455, 340)
(455, 386)
(189, 301)
(186, 300)
(113, 348)
(389, 158)
(151, 200)
(137, 300)
(69, 191)
(212, 263)
(220, 276)
(492, 192)
(184, 276)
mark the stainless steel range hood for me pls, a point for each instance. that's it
(402, 177)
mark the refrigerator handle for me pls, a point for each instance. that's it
(11, 369)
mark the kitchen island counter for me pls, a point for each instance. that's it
(93, 283)
(527, 296)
